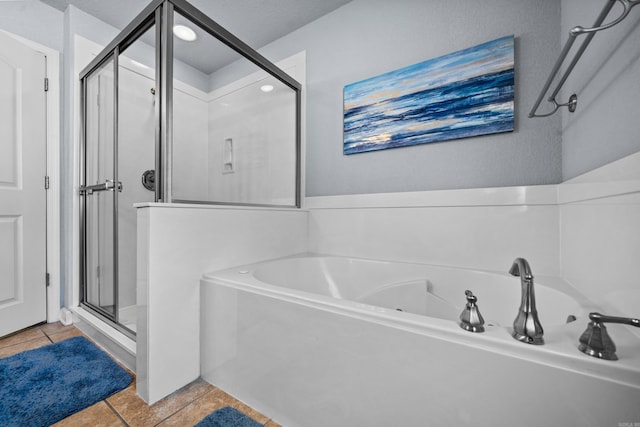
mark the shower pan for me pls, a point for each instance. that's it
(158, 115)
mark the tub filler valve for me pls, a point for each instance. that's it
(596, 342)
(526, 327)
(470, 319)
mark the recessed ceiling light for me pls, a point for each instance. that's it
(184, 33)
(266, 88)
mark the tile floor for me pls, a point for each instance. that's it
(185, 407)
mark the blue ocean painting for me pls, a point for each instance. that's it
(459, 95)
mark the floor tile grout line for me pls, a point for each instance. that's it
(46, 335)
(116, 412)
(181, 408)
(16, 343)
(21, 341)
(21, 331)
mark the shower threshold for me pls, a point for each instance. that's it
(127, 317)
(119, 345)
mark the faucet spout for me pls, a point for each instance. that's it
(526, 326)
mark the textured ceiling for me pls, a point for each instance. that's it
(255, 22)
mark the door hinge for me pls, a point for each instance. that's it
(46, 84)
(46, 182)
(47, 279)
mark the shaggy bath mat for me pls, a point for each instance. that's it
(227, 417)
(45, 385)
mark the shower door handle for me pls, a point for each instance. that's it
(107, 185)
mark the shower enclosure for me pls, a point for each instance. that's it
(169, 120)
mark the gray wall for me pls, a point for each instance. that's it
(605, 125)
(367, 37)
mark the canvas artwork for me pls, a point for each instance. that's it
(459, 95)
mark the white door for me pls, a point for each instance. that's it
(22, 188)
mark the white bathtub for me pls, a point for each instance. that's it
(331, 341)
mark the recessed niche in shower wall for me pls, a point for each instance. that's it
(227, 156)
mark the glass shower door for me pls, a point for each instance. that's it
(100, 192)
(118, 163)
(136, 162)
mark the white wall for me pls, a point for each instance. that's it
(177, 244)
(600, 235)
(604, 127)
(480, 228)
(600, 200)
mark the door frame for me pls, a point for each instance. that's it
(53, 172)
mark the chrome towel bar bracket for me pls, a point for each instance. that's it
(598, 25)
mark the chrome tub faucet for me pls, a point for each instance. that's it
(526, 326)
(470, 319)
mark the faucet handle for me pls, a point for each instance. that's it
(603, 318)
(596, 342)
(470, 319)
(471, 299)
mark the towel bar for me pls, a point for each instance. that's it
(573, 34)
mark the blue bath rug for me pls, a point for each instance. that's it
(227, 417)
(42, 386)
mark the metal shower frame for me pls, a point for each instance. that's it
(161, 13)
